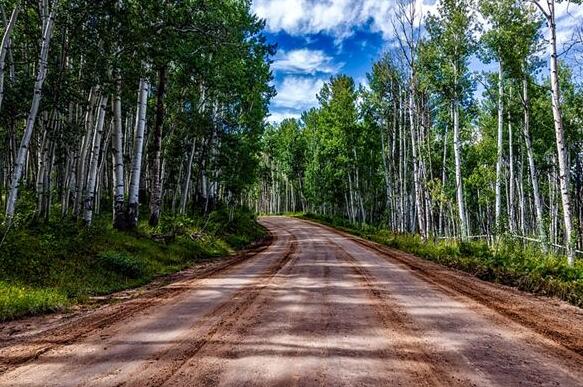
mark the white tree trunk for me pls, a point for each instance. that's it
(511, 181)
(118, 161)
(443, 181)
(86, 144)
(187, 178)
(560, 135)
(532, 167)
(458, 171)
(4, 49)
(23, 150)
(386, 171)
(89, 202)
(133, 201)
(416, 173)
(43, 155)
(498, 206)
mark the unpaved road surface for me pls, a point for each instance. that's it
(316, 307)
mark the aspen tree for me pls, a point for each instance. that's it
(563, 162)
(30, 122)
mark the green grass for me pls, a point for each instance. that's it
(509, 263)
(48, 267)
(16, 299)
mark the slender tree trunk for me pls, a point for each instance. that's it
(188, 178)
(443, 181)
(416, 173)
(523, 210)
(156, 193)
(498, 207)
(42, 161)
(66, 186)
(386, 172)
(11, 70)
(119, 215)
(45, 213)
(351, 195)
(560, 137)
(4, 49)
(85, 149)
(92, 175)
(23, 150)
(458, 170)
(511, 181)
(133, 201)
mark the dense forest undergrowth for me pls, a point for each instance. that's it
(50, 266)
(508, 262)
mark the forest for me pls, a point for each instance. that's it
(291, 192)
(429, 146)
(137, 116)
(135, 139)
(119, 104)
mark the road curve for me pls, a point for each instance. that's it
(317, 307)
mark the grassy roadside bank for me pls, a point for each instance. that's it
(526, 268)
(48, 267)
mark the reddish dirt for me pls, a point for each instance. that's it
(316, 307)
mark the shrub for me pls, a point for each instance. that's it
(122, 263)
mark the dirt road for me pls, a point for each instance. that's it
(317, 307)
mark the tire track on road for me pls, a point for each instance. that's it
(222, 319)
(448, 337)
(553, 319)
(397, 322)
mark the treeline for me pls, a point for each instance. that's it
(415, 149)
(132, 105)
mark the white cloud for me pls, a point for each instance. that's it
(278, 116)
(569, 19)
(299, 17)
(297, 93)
(338, 18)
(363, 81)
(304, 61)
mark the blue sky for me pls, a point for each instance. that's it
(319, 38)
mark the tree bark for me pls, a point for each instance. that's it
(133, 201)
(498, 206)
(560, 136)
(89, 201)
(511, 181)
(386, 172)
(86, 144)
(458, 170)
(119, 215)
(416, 173)
(156, 188)
(187, 178)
